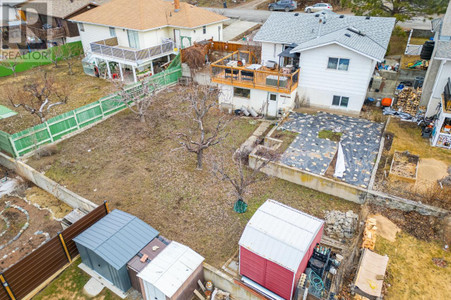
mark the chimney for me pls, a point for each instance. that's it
(177, 5)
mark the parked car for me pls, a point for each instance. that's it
(286, 5)
(318, 7)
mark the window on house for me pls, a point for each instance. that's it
(204, 29)
(239, 92)
(112, 32)
(273, 97)
(81, 27)
(133, 39)
(340, 101)
(341, 64)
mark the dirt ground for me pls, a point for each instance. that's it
(433, 166)
(141, 169)
(40, 221)
(85, 89)
(46, 200)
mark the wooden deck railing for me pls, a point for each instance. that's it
(50, 33)
(247, 77)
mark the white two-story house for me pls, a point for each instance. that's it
(326, 59)
(131, 38)
(437, 85)
(337, 54)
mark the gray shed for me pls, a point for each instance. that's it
(109, 244)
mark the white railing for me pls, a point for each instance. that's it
(103, 48)
(413, 49)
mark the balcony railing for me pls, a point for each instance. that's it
(109, 47)
(232, 71)
(50, 33)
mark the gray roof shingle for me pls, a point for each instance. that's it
(117, 237)
(306, 31)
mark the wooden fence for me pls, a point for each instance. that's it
(29, 273)
(216, 46)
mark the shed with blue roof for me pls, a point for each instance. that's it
(109, 244)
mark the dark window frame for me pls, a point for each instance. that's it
(241, 92)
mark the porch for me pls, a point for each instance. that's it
(243, 69)
(128, 64)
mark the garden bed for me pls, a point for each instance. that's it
(404, 166)
(141, 169)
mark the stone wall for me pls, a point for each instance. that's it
(344, 190)
(45, 183)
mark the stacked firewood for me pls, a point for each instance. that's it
(369, 234)
(408, 101)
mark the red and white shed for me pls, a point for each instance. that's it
(276, 246)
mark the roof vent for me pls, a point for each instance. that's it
(347, 34)
(296, 14)
(317, 15)
(356, 31)
(367, 17)
(342, 16)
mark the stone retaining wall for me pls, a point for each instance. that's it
(343, 190)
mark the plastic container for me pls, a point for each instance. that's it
(386, 102)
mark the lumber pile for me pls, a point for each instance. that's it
(369, 234)
(408, 101)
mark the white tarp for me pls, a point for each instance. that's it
(340, 167)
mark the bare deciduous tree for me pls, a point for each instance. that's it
(39, 96)
(10, 64)
(55, 54)
(206, 131)
(74, 54)
(138, 98)
(241, 176)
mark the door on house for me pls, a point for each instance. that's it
(177, 38)
(133, 39)
(272, 105)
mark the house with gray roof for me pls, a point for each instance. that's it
(107, 246)
(436, 94)
(337, 54)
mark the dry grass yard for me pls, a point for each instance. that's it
(84, 90)
(141, 169)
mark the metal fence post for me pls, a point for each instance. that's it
(13, 146)
(107, 209)
(49, 132)
(6, 287)
(63, 243)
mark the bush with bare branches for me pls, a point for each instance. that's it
(39, 95)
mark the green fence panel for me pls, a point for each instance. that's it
(111, 105)
(89, 114)
(5, 143)
(29, 139)
(62, 124)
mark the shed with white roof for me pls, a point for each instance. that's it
(173, 274)
(276, 246)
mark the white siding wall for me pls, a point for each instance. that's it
(155, 37)
(93, 33)
(318, 85)
(197, 34)
(258, 99)
(270, 51)
(442, 78)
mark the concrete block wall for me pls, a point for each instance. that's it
(45, 183)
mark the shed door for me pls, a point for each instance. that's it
(152, 293)
(101, 267)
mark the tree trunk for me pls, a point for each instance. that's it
(142, 118)
(70, 70)
(199, 159)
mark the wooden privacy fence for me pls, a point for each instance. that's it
(29, 273)
(20, 143)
